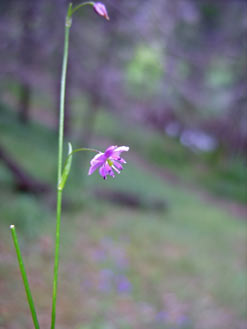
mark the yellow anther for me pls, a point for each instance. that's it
(110, 162)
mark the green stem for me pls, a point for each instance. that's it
(81, 5)
(24, 278)
(79, 150)
(68, 23)
(84, 149)
(56, 260)
(59, 164)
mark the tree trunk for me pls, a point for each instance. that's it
(23, 181)
(26, 56)
(24, 102)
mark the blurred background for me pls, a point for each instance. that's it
(162, 245)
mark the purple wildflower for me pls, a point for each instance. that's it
(161, 316)
(123, 284)
(100, 9)
(108, 161)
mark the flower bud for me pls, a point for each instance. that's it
(100, 9)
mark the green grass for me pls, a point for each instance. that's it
(188, 258)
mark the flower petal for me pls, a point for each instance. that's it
(119, 159)
(99, 157)
(117, 164)
(118, 150)
(102, 171)
(109, 151)
(122, 160)
(109, 170)
(93, 167)
(122, 149)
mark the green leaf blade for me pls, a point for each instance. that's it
(66, 169)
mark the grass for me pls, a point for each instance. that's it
(121, 268)
(185, 263)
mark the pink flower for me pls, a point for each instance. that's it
(100, 9)
(108, 161)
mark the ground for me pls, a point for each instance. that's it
(176, 267)
(122, 268)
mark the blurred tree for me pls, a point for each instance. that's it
(180, 60)
(23, 180)
(26, 56)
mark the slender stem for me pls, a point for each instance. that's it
(84, 149)
(59, 164)
(62, 97)
(79, 150)
(24, 278)
(81, 5)
(68, 23)
(56, 260)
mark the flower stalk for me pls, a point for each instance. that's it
(68, 22)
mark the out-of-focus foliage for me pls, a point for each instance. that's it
(183, 57)
(144, 71)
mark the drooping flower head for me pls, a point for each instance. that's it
(100, 9)
(107, 161)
